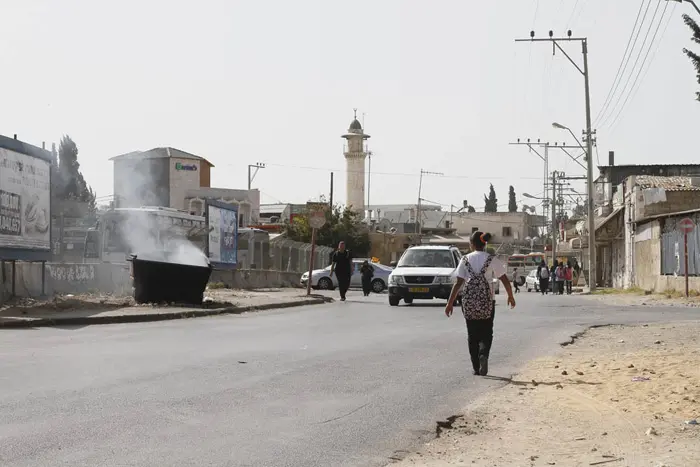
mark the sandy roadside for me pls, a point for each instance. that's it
(619, 396)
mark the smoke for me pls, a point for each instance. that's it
(141, 183)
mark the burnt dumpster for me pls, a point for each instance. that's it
(157, 280)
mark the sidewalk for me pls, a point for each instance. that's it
(618, 396)
(83, 310)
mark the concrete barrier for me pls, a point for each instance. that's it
(79, 278)
(255, 278)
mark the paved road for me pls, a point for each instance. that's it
(326, 385)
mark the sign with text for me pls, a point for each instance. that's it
(25, 201)
(222, 239)
(188, 167)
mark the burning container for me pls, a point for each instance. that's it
(158, 280)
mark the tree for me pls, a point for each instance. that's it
(695, 58)
(69, 183)
(491, 202)
(470, 208)
(512, 203)
(579, 211)
(342, 224)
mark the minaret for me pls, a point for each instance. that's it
(355, 156)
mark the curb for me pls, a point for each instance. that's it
(150, 317)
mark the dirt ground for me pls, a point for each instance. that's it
(618, 396)
(634, 299)
(106, 302)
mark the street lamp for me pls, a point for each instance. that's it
(559, 126)
(528, 195)
(687, 1)
(591, 205)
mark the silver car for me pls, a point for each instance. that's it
(321, 278)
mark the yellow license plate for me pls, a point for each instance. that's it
(419, 290)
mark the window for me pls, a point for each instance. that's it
(475, 229)
(420, 258)
(507, 232)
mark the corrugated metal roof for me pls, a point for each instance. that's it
(667, 183)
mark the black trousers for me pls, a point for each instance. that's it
(343, 283)
(544, 286)
(366, 285)
(480, 337)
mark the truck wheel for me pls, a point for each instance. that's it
(393, 300)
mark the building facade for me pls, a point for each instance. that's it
(173, 178)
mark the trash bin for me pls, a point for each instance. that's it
(159, 281)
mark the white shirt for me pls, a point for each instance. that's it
(476, 260)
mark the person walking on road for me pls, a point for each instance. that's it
(478, 303)
(342, 266)
(543, 276)
(569, 278)
(560, 275)
(515, 280)
(367, 272)
(553, 276)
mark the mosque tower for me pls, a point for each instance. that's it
(355, 156)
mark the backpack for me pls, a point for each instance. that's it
(544, 273)
(561, 274)
(477, 302)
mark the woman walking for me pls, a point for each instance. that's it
(543, 276)
(478, 304)
(569, 278)
(367, 272)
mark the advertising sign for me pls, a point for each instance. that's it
(25, 201)
(222, 240)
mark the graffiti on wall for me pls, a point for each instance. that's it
(71, 272)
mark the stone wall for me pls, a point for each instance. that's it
(79, 278)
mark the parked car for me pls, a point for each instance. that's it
(321, 278)
(424, 272)
(532, 282)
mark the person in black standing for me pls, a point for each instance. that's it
(342, 266)
(367, 271)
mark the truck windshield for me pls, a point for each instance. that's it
(420, 258)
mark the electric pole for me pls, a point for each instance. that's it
(418, 207)
(251, 175)
(330, 203)
(589, 138)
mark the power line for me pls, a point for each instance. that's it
(395, 174)
(636, 61)
(625, 62)
(643, 73)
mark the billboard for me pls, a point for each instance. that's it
(222, 239)
(25, 199)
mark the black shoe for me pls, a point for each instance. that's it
(475, 373)
(483, 365)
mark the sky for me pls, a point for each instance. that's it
(441, 86)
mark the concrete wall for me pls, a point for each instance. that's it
(78, 278)
(676, 201)
(182, 180)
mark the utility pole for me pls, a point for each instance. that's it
(418, 207)
(331, 197)
(589, 138)
(251, 175)
(555, 231)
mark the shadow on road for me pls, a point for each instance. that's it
(510, 380)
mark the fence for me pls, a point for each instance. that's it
(672, 251)
(288, 255)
